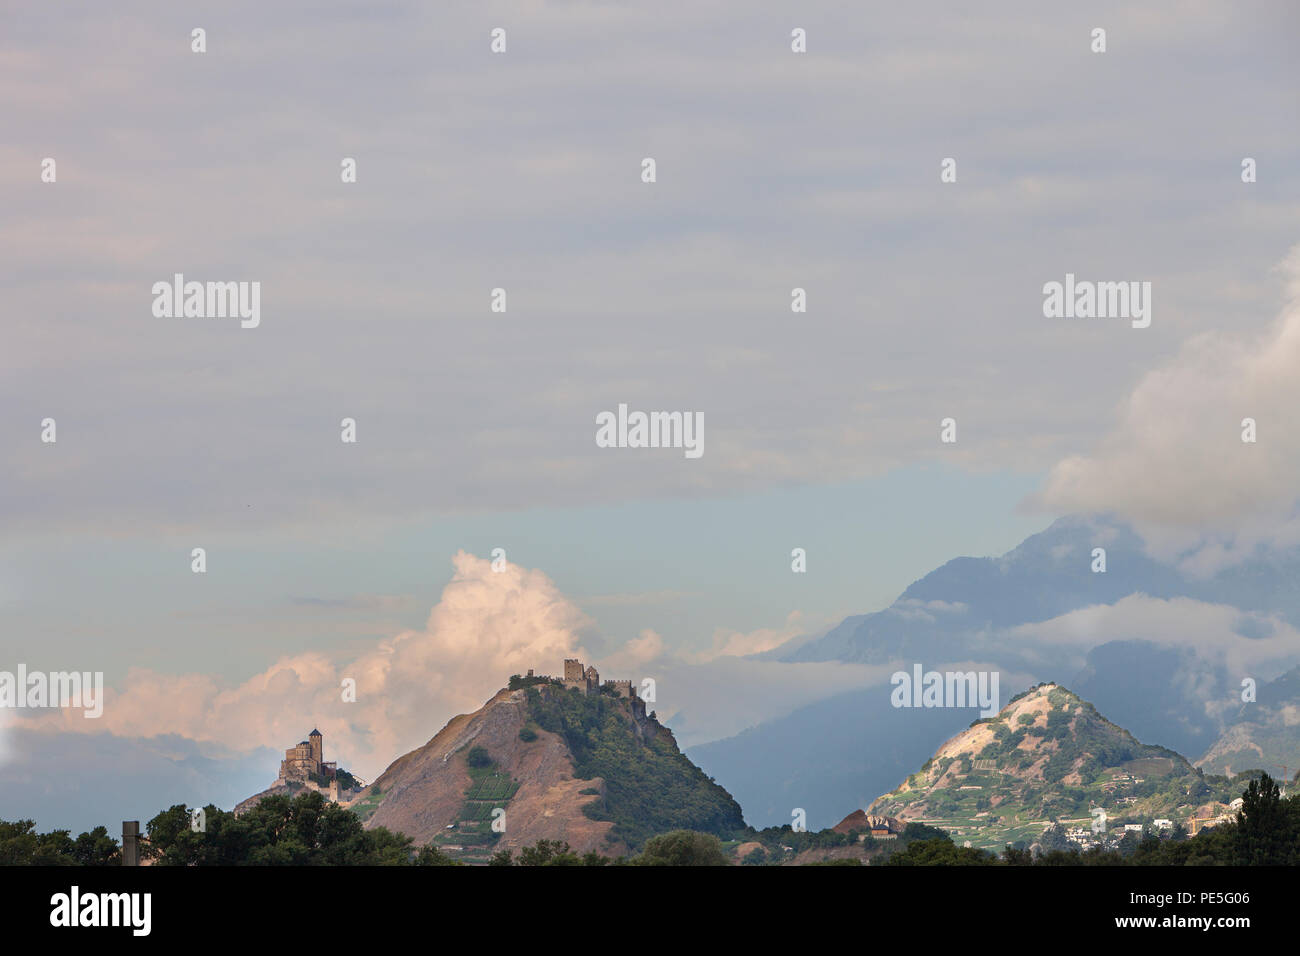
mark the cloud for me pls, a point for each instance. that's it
(1175, 464)
(1244, 643)
(486, 626)
(633, 599)
(646, 647)
(720, 698)
(912, 609)
(762, 187)
(380, 602)
(731, 643)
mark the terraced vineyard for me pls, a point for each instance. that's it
(471, 837)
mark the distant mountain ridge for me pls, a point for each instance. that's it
(950, 612)
(1263, 734)
(840, 752)
(980, 610)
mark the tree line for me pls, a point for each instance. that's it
(307, 830)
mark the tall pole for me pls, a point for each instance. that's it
(130, 842)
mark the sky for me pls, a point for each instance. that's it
(475, 429)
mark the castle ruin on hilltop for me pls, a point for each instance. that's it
(587, 682)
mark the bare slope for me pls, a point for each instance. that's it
(424, 791)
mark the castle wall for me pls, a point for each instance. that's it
(621, 687)
(588, 681)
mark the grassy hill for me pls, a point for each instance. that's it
(1047, 757)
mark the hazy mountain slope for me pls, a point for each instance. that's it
(1159, 693)
(1263, 734)
(942, 615)
(968, 609)
(957, 610)
(840, 752)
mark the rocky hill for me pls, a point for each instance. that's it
(546, 763)
(292, 789)
(275, 790)
(1048, 756)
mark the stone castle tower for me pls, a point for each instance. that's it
(575, 678)
(587, 681)
(307, 759)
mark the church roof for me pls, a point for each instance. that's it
(315, 733)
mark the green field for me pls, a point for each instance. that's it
(489, 790)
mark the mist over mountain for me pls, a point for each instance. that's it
(962, 607)
(1263, 734)
(827, 757)
(134, 776)
(1160, 650)
(1162, 690)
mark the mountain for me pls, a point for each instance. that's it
(548, 764)
(1159, 691)
(1263, 734)
(960, 608)
(1178, 695)
(1048, 756)
(842, 751)
(952, 610)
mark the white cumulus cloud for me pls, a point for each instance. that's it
(486, 626)
(1175, 463)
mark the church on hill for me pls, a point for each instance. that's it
(307, 760)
